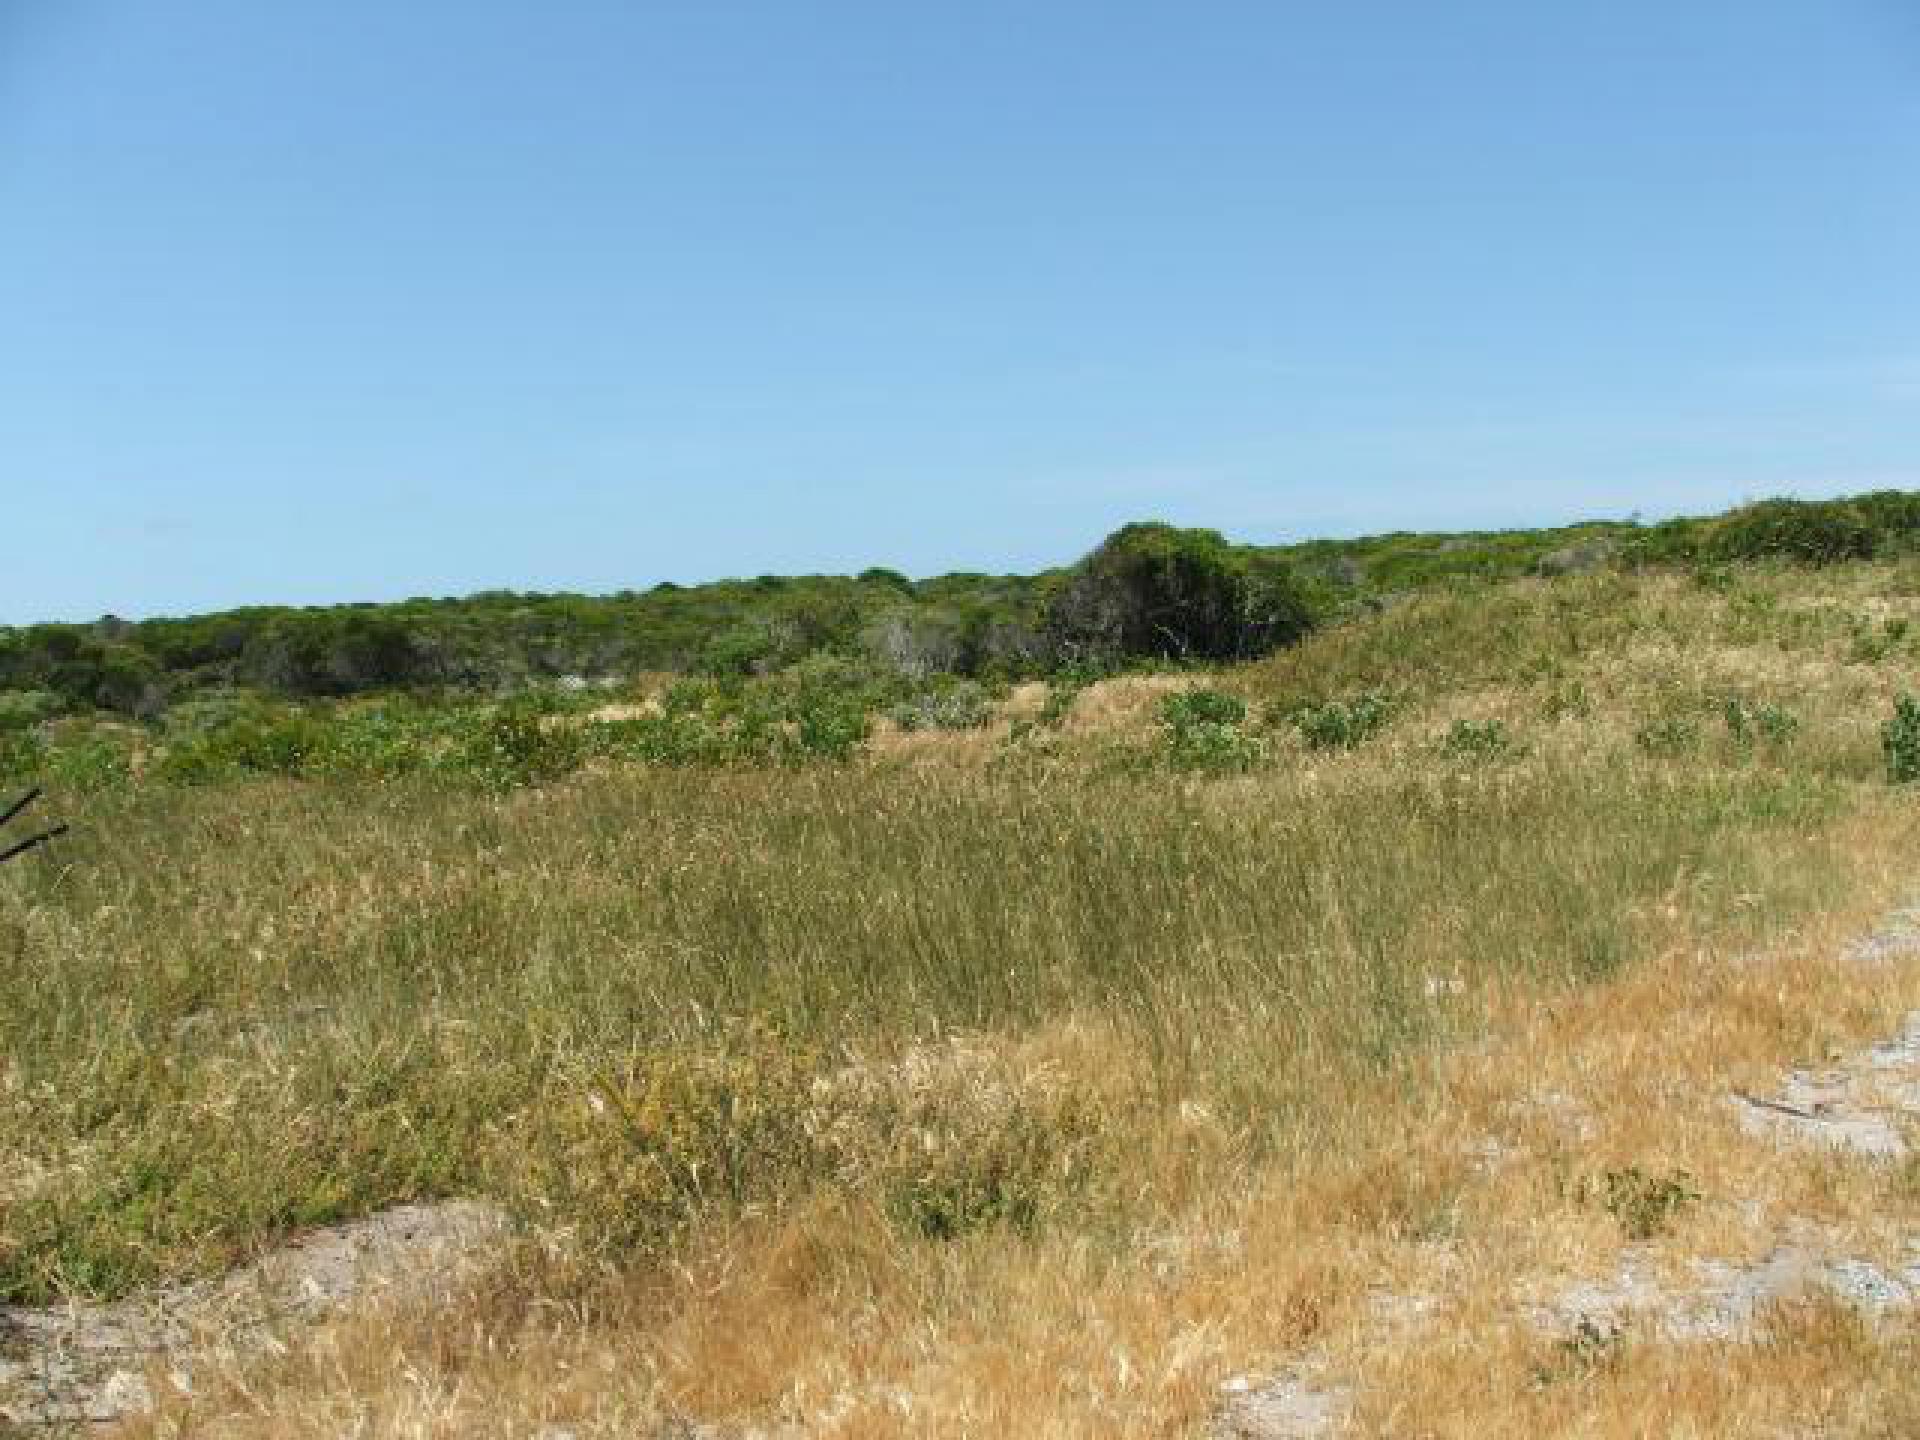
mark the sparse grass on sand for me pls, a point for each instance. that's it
(1029, 1092)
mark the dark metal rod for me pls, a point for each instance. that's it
(31, 842)
(20, 804)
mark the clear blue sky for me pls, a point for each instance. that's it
(314, 300)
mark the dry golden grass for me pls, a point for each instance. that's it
(824, 1321)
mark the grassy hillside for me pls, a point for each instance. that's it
(911, 1022)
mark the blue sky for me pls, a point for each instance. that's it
(308, 301)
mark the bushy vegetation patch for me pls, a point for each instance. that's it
(1202, 730)
(1340, 724)
(1758, 722)
(25, 709)
(1811, 532)
(1900, 740)
(1669, 736)
(1479, 740)
(1154, 591)
(1874, 643)
(1643, 1203)
(962, 706)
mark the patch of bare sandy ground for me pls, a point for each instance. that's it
(89, 1364)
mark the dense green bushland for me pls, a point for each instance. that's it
(1882, 524)
(1150, 593)
(1345, 686)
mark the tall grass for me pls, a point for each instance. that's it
(646, 999)
(322, 1000)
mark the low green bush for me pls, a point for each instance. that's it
(828, 727)
(97, 761)
(752, 724)
(24, 709)
(1750, 721)
(1668, 736)
(1201, 731)
(1645, 1205)
(1811, 532)
(1479, 740)
(21, 755)
(962, 706)
(1341, 724)
(1215, 747)
(1900, 740)
(266, 744)
(1186, 708)
(517, 745)
(1874, 643)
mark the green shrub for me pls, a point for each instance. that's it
(21, 755)
(1479, 740)
(202, 714)
(1155, 591)
(1872, 644)
(24, 709)
(1644, 1205)
(1341, 724)
(954, 707)
(677, 737)
(688, 696)
(384, 740)
(514, 745)
(829, 727)
(273, 743)
(1568, 701)
(1749, 721)
(1187, 708)
(1669, 736)
(1202, 731)
(745, 650)
(96, 761)
(756, 723)
(1900, 739)
(1207, 746)
(1811, 532)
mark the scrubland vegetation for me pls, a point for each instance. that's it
(897, 1047)
(992, 627)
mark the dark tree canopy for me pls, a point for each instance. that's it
(1155, 591)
